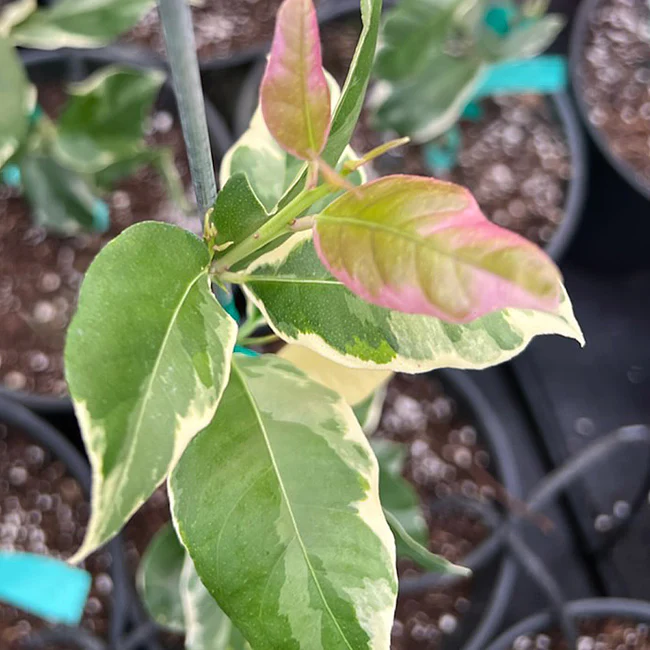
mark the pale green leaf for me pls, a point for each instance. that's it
(15, 99)
(79, 23)
(304, 304)
(159, 579)
(368, 412)
(532, 38)
(103, 121)
(60, 199)
(147, 358)
(277, 502)
(352, 384)
(15, 13)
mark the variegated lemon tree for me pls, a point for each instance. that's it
(274, 487)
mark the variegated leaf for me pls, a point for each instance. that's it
(294, 95)
(422, 246)
(159, 578)
(304, 304)
(147, 358)
(352, 384)
(277, 503)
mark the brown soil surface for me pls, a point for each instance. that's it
(43, 510)
(40, 274)
(614, 79)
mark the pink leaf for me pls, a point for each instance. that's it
(294, 95)
(422, 246)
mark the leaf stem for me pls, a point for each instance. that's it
(258, 340)
(176, 20)
(276, 225)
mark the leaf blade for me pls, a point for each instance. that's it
(178, 335)
(304, 304)
(422, 246)
(284, 514)
(294, 94)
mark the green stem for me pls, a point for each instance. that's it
(176, 20)
(258, 340)
(275, 226)
(250, 326)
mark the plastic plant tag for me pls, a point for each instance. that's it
(541, 76)
(30, 582)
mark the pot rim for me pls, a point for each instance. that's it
(576, 48)
(16, 415)
(587, 608)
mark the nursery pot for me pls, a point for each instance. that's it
(562, 108)
(70, 65)
(16, 416)
(618, 201)
(597, 608)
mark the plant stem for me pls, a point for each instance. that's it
(258, 340)
(275, 226)
(176, 20)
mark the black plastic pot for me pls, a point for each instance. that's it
(576, 49)
(594, 608)
(563, 108)
(44, 434)
(75, 65)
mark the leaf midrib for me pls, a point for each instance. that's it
(154, 371)
(285, 498)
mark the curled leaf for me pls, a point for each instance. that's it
(422, 246)
(294, 95)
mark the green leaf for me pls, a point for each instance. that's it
(397, 495)
(16, 100)
(294, 94)
(207, 627)
(352, 384)
(15, 13)
(147, 358)
(410, 30)
(159, 579)
(104, 119)
(423, 246)
(353, 94)
(277, 503)
(425, 105)
(531, 38)
(79, 23)
(304, 304)
(60, 199)
(237, 211)
(368, 412)
(419, 554)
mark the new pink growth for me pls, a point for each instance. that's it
(294, 94)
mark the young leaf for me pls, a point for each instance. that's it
(348, 107)
(79, 23)
(159, 579)
(293, 546)
(207, 627)
(147, 358)
(237, 212)
(368, 412)
(352, 384)
(397, 495)
(103, 121)
(422, 246)
(532, 38)
(304, 304)
(14, 13)
(15, 100)
(294, 94)
(60, 199)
